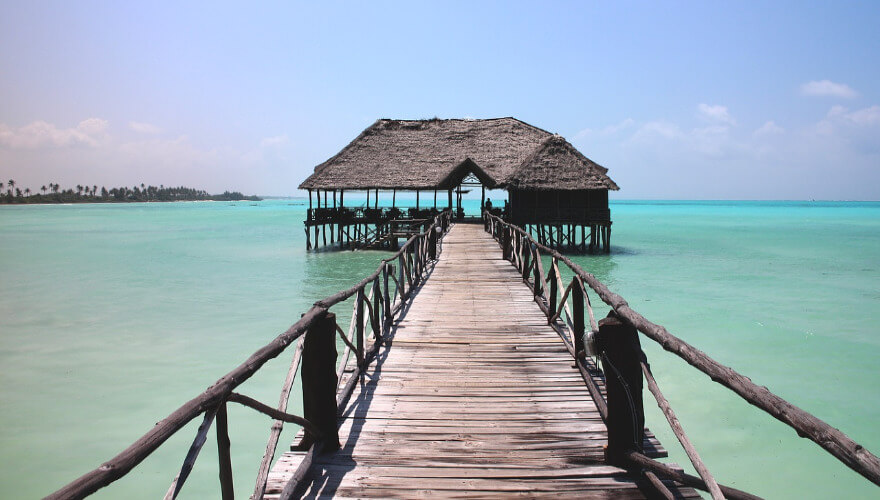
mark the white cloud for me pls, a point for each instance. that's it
(606, 131)
(40, 134)
(840, 117)
(273, 141)
(768, 129)
(864, 117)
(827, 88)
(715, 113)
(144, 128)
(657, 129)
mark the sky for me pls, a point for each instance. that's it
(679, 100)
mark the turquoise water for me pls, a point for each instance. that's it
(111, 316)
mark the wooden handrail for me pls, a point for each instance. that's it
(677, 429)
(210, 400)
(854, 455)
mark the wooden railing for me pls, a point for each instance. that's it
(615, 342)
(378, 299)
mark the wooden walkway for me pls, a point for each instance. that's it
(475, 395)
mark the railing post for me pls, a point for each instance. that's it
(432, 245)
(387, 295)
(539, 278)
(400, 283)
(359, 324)
(226, 486)
(621, 352)
(577, 299)
(553, 292)
(319, 380)
(505, 243)
(377, 296)
(525, 263)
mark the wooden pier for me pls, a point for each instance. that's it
(467, 371)
(472, 395)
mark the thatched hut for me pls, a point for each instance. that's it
(551, 185)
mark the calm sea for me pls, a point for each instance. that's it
(111, 316)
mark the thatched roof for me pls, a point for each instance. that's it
(438, 154)
(556, 164)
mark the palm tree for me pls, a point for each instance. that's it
(55, 187)
(43, 189)
(27, 192)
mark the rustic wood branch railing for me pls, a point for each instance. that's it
(519, 247)
(375, 306)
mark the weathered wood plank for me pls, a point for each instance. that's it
(472, 395)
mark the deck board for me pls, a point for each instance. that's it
(474, 395)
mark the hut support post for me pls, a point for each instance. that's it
(417, 199)
(435, 198)
(319, 381)
(621, 353)
(376, 201)
(449, 207)
(393, 198)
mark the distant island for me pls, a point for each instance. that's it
(52, 193)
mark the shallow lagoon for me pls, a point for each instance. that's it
(111, 316)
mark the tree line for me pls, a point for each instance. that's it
(52, 193)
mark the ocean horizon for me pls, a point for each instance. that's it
(113, 315)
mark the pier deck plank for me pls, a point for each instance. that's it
(474, 396)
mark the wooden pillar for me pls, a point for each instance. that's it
(621, 352)
(417, 199)
(450, 200)
(318, 198)
(341, 196)
(377, 311)
(319, 380)
(376, 202)
(578, 328)
(432, 243)
(482, 197)
(359, 324)
(368, 199)
(505, 243)
(334, 198)
(325, 199)
(386, 270)
(393, 198)
(435, 199)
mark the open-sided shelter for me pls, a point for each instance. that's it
(553, 188)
